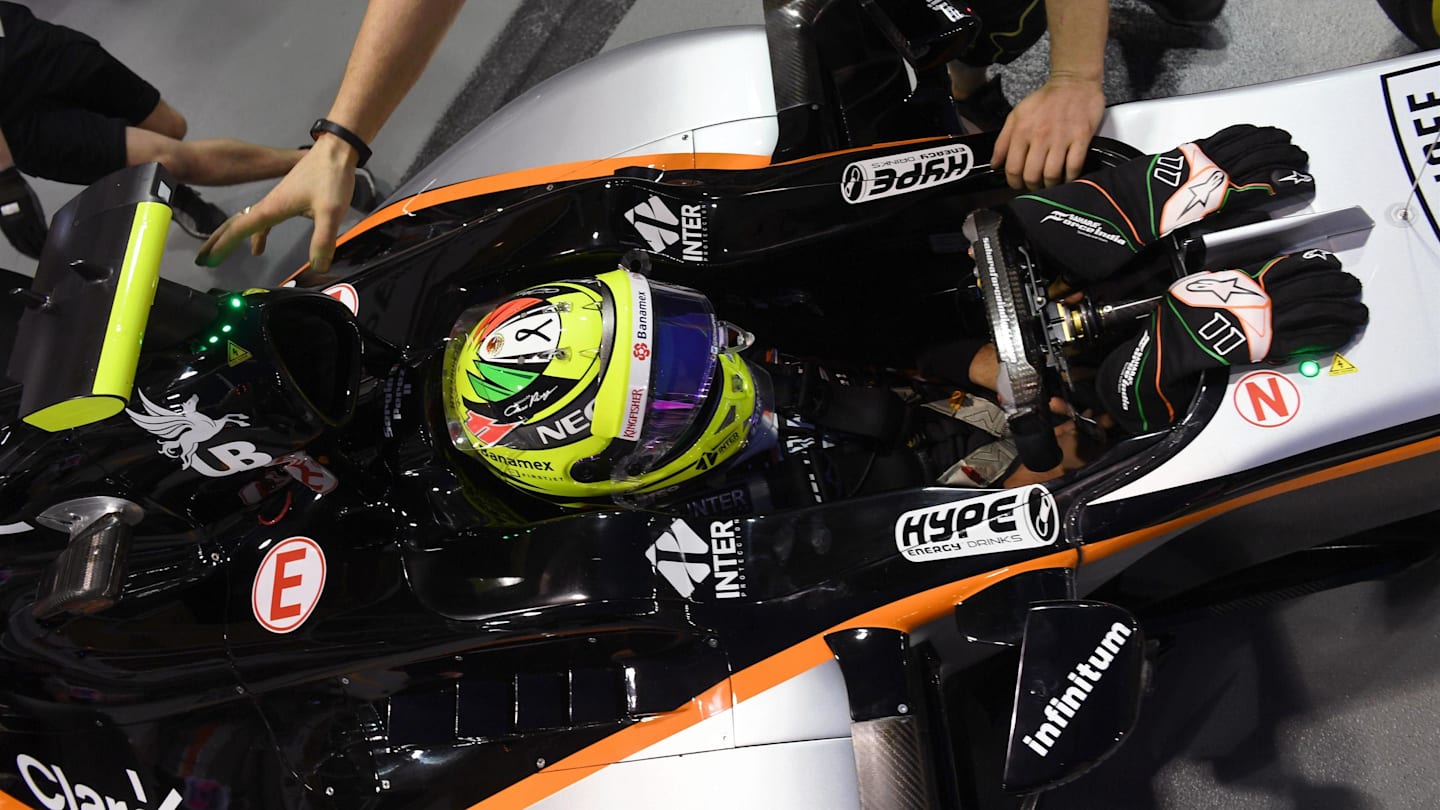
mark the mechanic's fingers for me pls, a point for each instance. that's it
(1034, 173)
(219, 244)
(1075, 159)
(1055, 167)
(257, 241)
(1002, 147)
(253, 219)
(322, 241)
(1015, 162)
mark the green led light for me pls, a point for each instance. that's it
(214, 338)
(226, 328)
(1309, 368)
(236, 302)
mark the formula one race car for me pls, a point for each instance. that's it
(248, 562)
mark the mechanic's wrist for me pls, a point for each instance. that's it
(1074, 76)
(336, 152)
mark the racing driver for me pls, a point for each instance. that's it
(619, 388)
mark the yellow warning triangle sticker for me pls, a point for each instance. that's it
(236, 355)
(1341, 366)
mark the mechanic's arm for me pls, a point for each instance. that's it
(396, 40)
(1045, 138)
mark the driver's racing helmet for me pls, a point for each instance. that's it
(601, 387)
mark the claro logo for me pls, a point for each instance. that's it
(54, 790)
(1005, 521)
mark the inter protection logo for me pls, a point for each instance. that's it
(686, 560)
(657, 223)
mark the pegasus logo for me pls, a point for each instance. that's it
(183, 431)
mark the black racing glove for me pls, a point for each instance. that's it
(1091, 227)
(22, 220)
(1293, 305)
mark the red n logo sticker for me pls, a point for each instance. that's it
(1266, 399)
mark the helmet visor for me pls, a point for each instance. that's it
(670, 374)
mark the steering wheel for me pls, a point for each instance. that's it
(1015, 328)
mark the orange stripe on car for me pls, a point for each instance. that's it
(580, 170)
(905, 614)
(1099, 551)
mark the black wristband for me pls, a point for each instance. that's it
(322, 125)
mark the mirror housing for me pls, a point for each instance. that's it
(1077, 692)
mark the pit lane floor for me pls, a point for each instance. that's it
(1323, 702)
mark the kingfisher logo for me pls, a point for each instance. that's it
(686, 560)
(876, 178)
(662, 230)
(1086, 675)
(639, 374)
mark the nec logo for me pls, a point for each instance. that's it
(661, 229)
(686, 560)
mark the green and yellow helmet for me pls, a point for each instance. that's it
(597, 387)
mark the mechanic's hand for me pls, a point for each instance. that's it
(319, 187)
(1046, 136)
(1292, 305)
(22, 220)
(1092, 227)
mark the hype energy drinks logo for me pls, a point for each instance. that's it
(892, 175)
(1413, 99)
(988, 524)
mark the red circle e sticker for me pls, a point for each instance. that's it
(1266, 399)
(288, 584)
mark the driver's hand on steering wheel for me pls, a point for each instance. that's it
(1046, 137)
(319, 187)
